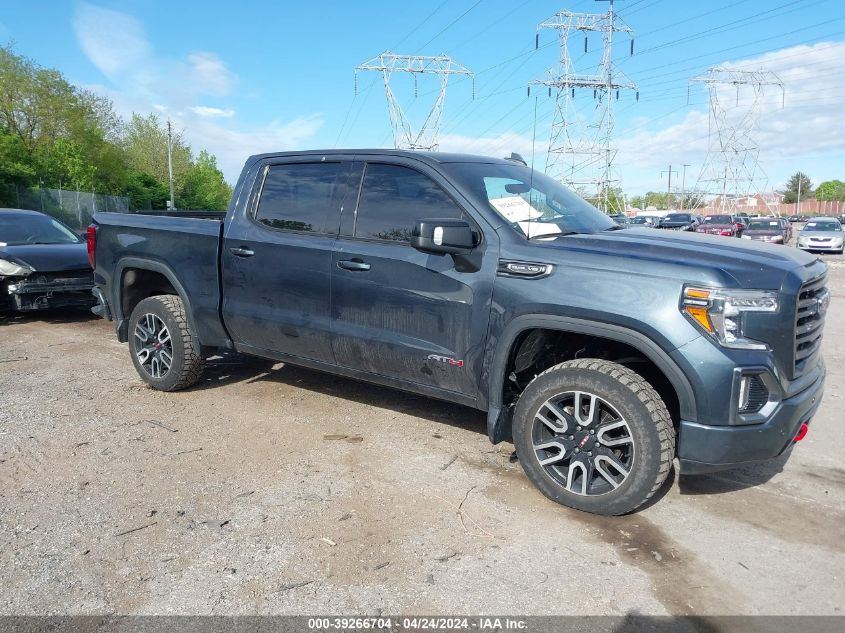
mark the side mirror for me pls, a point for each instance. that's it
(454, 237)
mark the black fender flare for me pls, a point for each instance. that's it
(122, 320)
(498, 420)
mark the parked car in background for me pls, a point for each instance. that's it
(775, 230)
(720, 225)
(620, 219)
(597, 350)
(43, 263)
(680, 222)
(794, 218)
(651, 221)
(741, 224)
(822, 234)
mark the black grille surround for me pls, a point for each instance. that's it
(810, 310)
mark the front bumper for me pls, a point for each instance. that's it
(703, 448)
(822, 246)
(43, 294)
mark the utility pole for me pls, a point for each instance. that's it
(669, 187)
(170, 165)
(798, 210)
(581, 149)
(684, 185)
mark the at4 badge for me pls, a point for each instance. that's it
(445, 359)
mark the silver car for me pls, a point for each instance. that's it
(822, 234)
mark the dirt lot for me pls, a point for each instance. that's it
(272, 489)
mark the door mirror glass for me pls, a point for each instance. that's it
(443, 235)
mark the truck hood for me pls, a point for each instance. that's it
(48, 257)
(751, 264)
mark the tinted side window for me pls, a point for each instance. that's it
(393, 198)
(301, 197)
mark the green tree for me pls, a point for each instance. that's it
(145, 143)
(145, 192)
(798, 181)
(205, 186)
(614, 197)
(831, 190)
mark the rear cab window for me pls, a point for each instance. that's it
(302, 197)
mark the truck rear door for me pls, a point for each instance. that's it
(277, 258)
(401, 313)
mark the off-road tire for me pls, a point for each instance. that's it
(641, 407)
(187, 365)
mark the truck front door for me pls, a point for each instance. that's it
(401, 313)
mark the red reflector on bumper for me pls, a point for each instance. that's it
(802, 432)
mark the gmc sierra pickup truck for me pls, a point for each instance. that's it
(602, 352)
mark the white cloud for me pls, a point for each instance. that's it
(112, 40)
(211, 113)
(499, 145)
(210, 75)
(142, 81)
(788, 136)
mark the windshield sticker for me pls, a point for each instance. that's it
(515, 209)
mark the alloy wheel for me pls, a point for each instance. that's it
(583, 443)
(153, 345)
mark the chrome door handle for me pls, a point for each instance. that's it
(351, 264)
(240, 251)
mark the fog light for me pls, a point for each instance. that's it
(802, 432)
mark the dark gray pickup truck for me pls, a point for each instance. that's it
(603, 353)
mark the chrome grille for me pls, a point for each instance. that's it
(813, 299)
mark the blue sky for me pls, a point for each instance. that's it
(245, 77)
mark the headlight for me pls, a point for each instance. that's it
(720, 312)
(11, 269)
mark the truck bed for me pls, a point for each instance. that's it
(184, 244)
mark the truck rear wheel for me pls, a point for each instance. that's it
(165, 352)
(593, 435)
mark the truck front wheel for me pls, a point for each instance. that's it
(593, 435)
(165, 352)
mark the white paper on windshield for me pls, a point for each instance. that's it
(811, 224)
(3, 244)
(516, 209)
(773, 224)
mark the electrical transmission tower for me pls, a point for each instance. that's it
(443, 66)
(581, 149)
(731, 170)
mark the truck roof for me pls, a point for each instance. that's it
(425, 156)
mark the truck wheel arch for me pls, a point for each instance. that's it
(499, 413)
(128, 265)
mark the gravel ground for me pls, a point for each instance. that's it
(272, 489)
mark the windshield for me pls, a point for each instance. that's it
(678, 217)
(19, 228)
(764, 225)
(718, 219)
(535, 207)
(824, 225)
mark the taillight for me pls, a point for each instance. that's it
(91, 242)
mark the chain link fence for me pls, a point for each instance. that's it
(74, 208)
